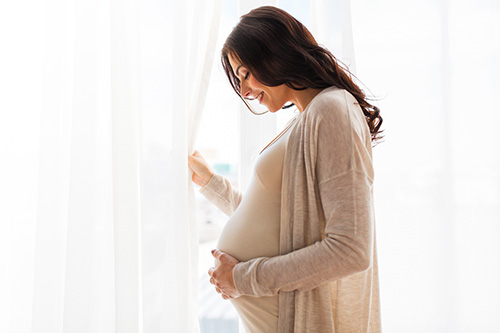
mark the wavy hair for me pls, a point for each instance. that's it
(277, 49)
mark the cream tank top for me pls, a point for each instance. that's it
(254, 231)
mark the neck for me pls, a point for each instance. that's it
(302, 98)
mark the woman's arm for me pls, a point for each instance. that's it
(220, 192)
(215, 188)
(346, 250)
(341, 204)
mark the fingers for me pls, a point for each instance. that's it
(217, 289)
(202, 172)
(224, 257)
(193, 161)
(224, 296)
(213, 276)
(218, 254)
(223, 286)
(196, 155)
(191, 164)
(193, 157)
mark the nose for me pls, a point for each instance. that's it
(245, 90)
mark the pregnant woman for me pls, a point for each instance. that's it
(298, 251)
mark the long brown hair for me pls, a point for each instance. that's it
(277, 49)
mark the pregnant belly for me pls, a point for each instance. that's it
(253, 229)
(253, 232)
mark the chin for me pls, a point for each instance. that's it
(273, 109)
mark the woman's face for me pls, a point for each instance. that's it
(272, 97)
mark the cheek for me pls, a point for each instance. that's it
(254, 83)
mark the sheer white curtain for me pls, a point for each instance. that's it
(179, 86)
(73, 264)
(332, 27)
(436, 67)
(96, 232)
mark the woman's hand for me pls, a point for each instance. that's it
(222, 276)
(202, 172)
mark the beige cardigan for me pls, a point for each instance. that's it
(326, 274)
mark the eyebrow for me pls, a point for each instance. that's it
(237, 70)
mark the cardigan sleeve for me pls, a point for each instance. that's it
(343, 180)
(222, 194)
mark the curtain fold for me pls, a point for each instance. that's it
(86, 248)
(124, 63)
(331, 25)
(100, 235)
(53, 169)
(170, 231)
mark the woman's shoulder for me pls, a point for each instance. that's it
(336, 109)
(332, 103)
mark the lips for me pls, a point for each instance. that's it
(260, 96)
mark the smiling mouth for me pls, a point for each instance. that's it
(259, 97)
